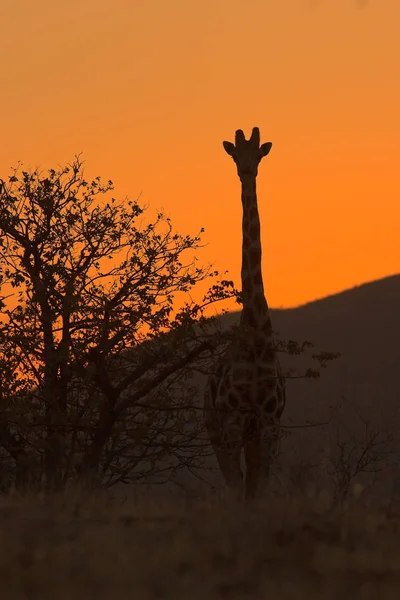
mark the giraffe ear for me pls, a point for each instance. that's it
(229, 148)
(265, 148)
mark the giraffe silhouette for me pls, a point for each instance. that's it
(245, 396)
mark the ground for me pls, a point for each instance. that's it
(84, 547)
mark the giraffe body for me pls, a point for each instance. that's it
(245, 396)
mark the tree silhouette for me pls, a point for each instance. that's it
(93, 347)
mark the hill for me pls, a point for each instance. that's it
(356, 397)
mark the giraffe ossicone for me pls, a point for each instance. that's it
(245, 395)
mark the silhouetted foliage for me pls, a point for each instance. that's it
(94, 351)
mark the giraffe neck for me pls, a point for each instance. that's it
(255, 308)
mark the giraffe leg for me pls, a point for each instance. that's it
(252, 455)
(228, 457)
(269, 449)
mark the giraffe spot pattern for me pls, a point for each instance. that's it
(254, 229)
(257, 278)
(260, 304)
(213, 388)
(251, 399)
(247, 285)
(233, 401)
(270, 406)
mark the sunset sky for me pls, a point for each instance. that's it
(148, 90)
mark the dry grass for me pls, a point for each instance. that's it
(76, 546)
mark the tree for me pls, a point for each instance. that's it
(362, 446)
(93, 346)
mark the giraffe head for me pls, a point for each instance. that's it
(247, 153)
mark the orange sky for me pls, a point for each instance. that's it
(148, 90)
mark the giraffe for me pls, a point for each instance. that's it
(245, 396)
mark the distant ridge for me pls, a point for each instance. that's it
(363, 324)
(386, 285)
(361, 389)
(360, 296)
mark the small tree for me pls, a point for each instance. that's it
(92, 342)
(361, 446)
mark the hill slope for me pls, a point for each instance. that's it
(363, 324)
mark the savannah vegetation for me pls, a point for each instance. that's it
(99, 339)
(94, 345)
